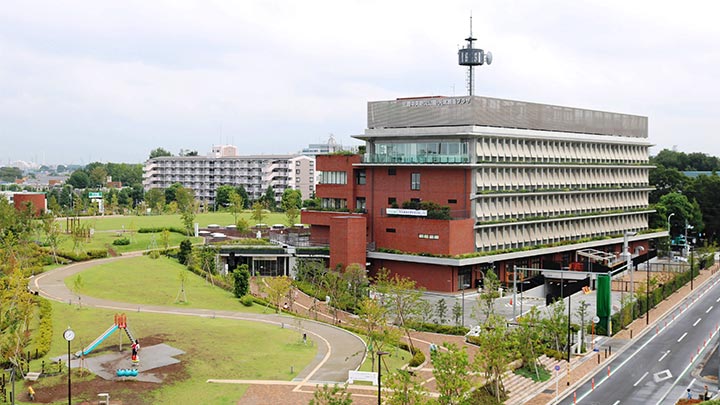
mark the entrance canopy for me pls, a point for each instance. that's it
(597, 255)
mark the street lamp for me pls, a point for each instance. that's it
(380, 354)
(69, 335)
(464, 286)
(669, 235)
(629, 267)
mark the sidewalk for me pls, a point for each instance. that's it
(584, 366)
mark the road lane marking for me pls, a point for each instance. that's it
(616, 402)
(641, 378)
(697, 322)
(663, 356)
(709, 309)
(682, 337)
(717, 300)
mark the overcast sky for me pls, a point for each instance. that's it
(84, 81)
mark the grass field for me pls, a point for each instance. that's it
(142, 280)
(138, 241)
(215, 348)
(120, 222)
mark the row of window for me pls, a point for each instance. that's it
(530, 150)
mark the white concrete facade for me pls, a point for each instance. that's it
(205, 174)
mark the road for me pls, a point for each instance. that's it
(656, 368)
(337, 348)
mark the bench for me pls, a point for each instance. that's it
(104, 398)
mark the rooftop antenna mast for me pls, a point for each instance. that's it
(472, 57)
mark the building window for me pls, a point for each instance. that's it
(390, 230)
(360, 203)
(452, 201)
(415, 181)
(334, 203)
(392, 171)
(361, 177)
(297, 163)
(297, 171)
(333, 178)
(426, 236)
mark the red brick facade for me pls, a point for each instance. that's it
(347, 241)
(36, 199)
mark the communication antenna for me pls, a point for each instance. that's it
(472, 57)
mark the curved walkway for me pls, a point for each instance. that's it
(338, 349)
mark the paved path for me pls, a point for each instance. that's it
(338, 349)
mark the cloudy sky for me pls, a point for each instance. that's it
(84, 81)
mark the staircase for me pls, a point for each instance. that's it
(519, 388)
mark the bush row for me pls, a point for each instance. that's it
(121, 242)
(43, 339)
(83, 256)
(157, 229)
(444, 329)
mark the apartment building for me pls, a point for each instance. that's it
(452, 186)
(204, 174)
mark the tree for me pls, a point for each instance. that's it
(582, 312)
(291, 216)
(684, 210)
(97, 177)
(242, 193)
(451, 369)
(337, 289)
(79, 179)
(187, 206)
(357, 281)
(555, 325)
(291, 199)
(529, 339)
(489, 293)
(185, 251)
(404, 388)
(268, 199)
(457, 312)
(494, 353)
(402, 296)
(52, 232)
(165, 236)
(276, 289)
(155, 199)
(334, 395)
(77, 286)
(258, 212)
(373, 320)
(241, 277)
(159, 152)
(222, 195)
(236, 204)
(441, 310)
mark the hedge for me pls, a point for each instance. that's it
(181, 231)
(121, 242)
(436, 328)
(43, 339)
(83, 256)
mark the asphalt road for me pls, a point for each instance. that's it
(338, 349)
(656, 368)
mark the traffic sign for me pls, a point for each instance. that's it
(557, 367)
(95, 194)
(596, 319)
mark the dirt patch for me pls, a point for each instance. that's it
(126, 391)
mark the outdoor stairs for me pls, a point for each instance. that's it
(520, 389)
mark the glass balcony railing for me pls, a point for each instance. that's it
(414, 159)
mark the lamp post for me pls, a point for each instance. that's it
(464, 286)
(628, 260)
(647, 296)
(514, 301)
(669, 235)
(69, 335)
(380, 354)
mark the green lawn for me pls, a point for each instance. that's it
(119, 222)
(142, 280)
(216, 348)
(138, 241)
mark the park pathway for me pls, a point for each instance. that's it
(338, 350)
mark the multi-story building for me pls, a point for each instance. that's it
(452, 186)
(204, 174)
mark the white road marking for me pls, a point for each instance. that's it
(709, 309)
(663, 356)
(641, 378)
(616, 402)
(717, 300)
(697, 322)
(682, 337)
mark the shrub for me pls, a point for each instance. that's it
(83, 256)
(121, 242)
(43, 339)
(247, 300)
(158, 229)
(417, 359)
(241, 280)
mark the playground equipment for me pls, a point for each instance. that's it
(126, 372)
(120, 323)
